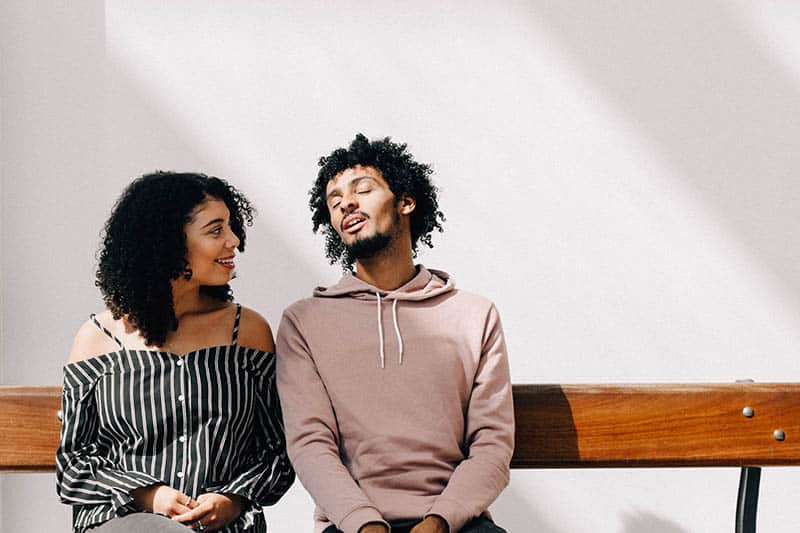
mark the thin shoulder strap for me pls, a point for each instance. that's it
(103, 328)
(236, 324)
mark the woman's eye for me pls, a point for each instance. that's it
(335, 204)
(364, 191)
(216, 231)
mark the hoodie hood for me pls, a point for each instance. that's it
(426, 284)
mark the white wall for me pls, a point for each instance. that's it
(2, 335)
(627, 174)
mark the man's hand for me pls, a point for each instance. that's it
(432, 524)
(213, 511)
(374, 527)
(162, 499)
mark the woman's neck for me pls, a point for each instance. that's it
(188, 299)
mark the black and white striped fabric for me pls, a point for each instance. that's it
(206, 421)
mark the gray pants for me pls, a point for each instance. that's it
(140, 522)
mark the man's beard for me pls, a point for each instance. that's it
(369, 246)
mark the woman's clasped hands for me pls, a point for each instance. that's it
(208, 512)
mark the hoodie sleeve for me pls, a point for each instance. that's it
(312, 435)
(489, 435)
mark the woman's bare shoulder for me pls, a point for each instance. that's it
(254, 331)
(90, 341)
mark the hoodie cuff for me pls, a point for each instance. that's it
(357, 518)
(453, 513)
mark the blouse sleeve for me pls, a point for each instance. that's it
(84, 474)
(267, 473)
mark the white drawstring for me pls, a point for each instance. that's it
(380, 329)
(397, 330)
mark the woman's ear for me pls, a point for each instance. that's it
(407, 204)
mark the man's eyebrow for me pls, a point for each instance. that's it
(352, 183)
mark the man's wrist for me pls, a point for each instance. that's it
(374, 527)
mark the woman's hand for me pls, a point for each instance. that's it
(162, 499)
(213, 511)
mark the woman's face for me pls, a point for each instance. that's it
(211, 243)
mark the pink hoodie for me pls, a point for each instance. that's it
(397, 404)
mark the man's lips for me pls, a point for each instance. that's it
(353, 223)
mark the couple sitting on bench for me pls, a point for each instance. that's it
(394, 385)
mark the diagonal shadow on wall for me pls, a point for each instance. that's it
(710, 98)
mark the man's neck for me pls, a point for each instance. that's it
(386, 273)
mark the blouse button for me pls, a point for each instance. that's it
(182, 438)
(180, 397)
(180, 362)
(179, 474)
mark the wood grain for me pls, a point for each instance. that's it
(583, 426)
(29, 428)
(558, 426)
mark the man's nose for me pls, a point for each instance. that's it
(349, 203)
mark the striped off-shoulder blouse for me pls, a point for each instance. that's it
(205, 421)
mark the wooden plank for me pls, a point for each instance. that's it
(584, 426)
(29, 428)
(558, 426)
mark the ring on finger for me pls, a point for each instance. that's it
(200, 525)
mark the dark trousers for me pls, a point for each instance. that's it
(480, 524)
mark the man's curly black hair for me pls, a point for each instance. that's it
(143, 247)
(401, 172)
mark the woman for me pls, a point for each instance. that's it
(170, 414)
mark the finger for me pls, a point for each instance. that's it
(205, 525)
(211, 524)
(178, 509)
(185, 500)
(193, 515)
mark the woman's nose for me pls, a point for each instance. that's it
(233, 240)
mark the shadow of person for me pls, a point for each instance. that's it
(646, 522)
(545, 430)
(516, 513)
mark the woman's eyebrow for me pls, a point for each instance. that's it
(215, 221)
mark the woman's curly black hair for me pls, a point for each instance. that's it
(401, 172)
(143, 247)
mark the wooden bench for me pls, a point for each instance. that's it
(744, 425)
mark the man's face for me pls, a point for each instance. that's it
(363, 209)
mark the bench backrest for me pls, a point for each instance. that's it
(29, 428)
(558, 426)
(583, 426)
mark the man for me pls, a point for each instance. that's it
(394, 384)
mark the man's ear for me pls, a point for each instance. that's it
(407, 204)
